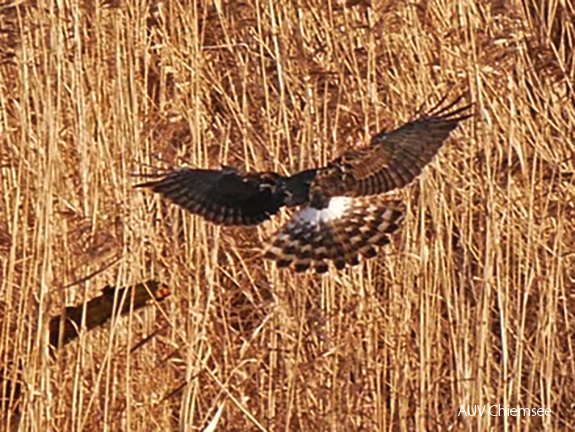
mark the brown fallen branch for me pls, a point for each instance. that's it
(100, 309)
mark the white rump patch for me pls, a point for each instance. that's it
(336, 208)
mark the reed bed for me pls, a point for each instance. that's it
(472, 304)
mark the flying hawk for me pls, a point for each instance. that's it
(344, 210)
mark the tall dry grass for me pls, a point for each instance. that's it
(472, 304)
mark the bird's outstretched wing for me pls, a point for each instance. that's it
(225, 196)
(395, 158)
(341, 232)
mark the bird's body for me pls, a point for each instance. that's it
(345, 210)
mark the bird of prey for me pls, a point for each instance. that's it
(344, 209)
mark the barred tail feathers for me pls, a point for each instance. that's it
(340, 233)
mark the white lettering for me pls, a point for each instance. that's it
(498, 410)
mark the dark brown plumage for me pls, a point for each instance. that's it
(345, 214)
(345, 230)
(395, 158)
(222, 196)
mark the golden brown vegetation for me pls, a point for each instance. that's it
(473, 304)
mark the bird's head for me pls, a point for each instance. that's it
(297, 187)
